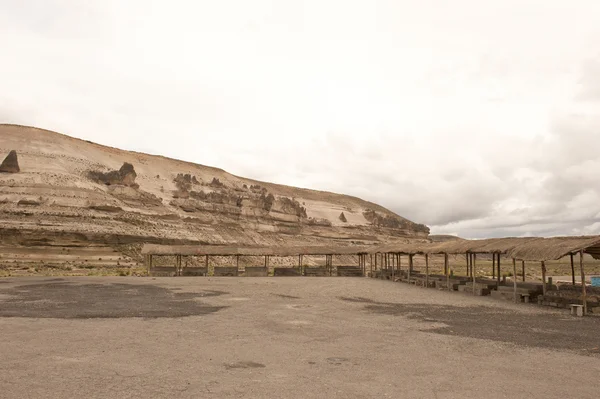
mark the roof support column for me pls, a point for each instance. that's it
(493, 266)
(544, 277)
(426, 270)
(498, 274)
(474, 262)
(410, 266)
(447, 270)
(514, 280)
(583, 287)
(573, 268)
(468, 260)
(523, 271)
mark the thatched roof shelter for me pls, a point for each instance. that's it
(545, 249)
(231, 250)
(522, 248)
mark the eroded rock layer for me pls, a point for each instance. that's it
(97, 195)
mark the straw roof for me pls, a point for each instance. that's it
(544, 249)
(523, 248)
(230, 250)
(491, 245)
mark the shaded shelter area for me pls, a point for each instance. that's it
(386, 261)
(517, 249)
(179, 254)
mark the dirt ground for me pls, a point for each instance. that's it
(125, 337)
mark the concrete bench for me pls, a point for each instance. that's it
(576, 310)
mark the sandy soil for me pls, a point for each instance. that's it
(285, 338)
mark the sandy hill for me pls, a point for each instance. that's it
(67, 193)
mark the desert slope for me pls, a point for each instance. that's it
(69, 191)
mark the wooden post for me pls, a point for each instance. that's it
(468, 258)
(523, 266)
(544, 287)
(498, 274)
(493, 266)
(393, 266)
(473, 263)
(445, 265)
(410, 266)
(583, 287)
(426, 270)
(573, 268)
(371, 264)
(515, 280)
(206, 264)
(447, 268)
(149, 264)
(544, 277)
(237, 262)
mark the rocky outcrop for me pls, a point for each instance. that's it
(122, 177)
(343, 218)
(74, 188)
(10, 163)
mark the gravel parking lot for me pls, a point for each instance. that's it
(289, 337)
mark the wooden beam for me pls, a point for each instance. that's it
(514, 280)
(498, 263)
(473, 264)
(468, 260)
(573, 268)
(410, 266)
(523, 266)
(371, 264)
(426, 270)
(447, 268)
(493, 266)
(583, 287)
(544, 277)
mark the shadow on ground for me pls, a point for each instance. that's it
(65, 300)
(544, 330)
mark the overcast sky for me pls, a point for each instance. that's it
(478, 118)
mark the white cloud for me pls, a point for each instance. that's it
(480, 118)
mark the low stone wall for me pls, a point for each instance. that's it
(194, 271)
(287, 271)
(349, 271)
(163, 271)
(316, 271)
(256, 271)
(225, 271)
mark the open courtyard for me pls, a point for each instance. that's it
(295, 337)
